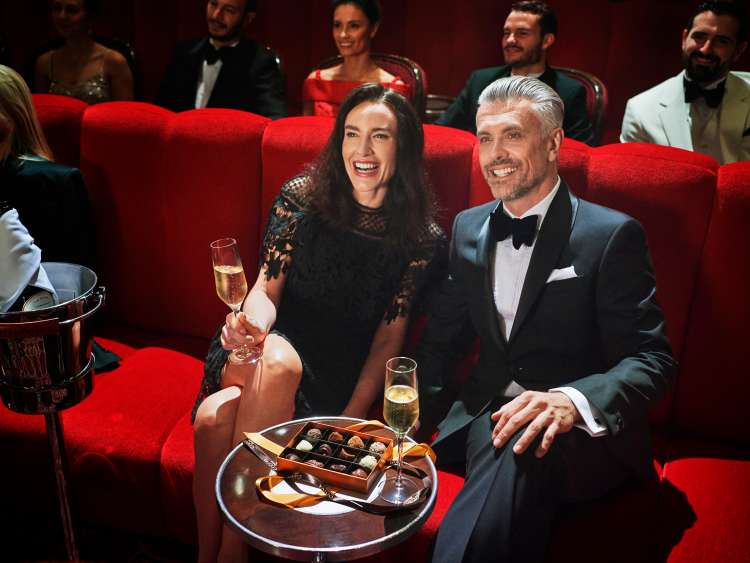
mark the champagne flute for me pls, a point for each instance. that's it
(231, 287)
(401, 411)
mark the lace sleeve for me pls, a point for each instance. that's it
(425, 269)
(279, 240)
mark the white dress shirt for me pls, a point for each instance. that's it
(704, 124)
(20, 261)
(509, 267)
(207, 79)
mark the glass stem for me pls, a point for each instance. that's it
(400, 440)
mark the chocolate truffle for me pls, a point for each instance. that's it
(315, 463)
(377, 447)
(340, 467)
(356, 442)
(335, 437)
(292, 457)
(359, 472)
(325, 449)
(346, 455)
(314, 434)
(368, 462)
(304, 446)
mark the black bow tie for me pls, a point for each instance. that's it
(713, 97)
(523, 230)
(211, 54)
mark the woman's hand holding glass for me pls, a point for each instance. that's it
(231, 287)
(242, 330)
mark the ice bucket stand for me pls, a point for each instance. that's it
(31, 343)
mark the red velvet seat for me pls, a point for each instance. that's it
(163, 186)
(715, 479)
(60, 117)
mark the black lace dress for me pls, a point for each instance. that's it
(339, 286)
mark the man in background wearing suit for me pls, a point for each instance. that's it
(225, 70)
(529, 32)
(561, 293)
(705, 108)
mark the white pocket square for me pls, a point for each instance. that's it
(562, 274)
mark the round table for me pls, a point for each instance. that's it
(302, 536)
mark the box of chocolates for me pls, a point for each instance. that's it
(344, 458)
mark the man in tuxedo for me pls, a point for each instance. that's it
(225, 70)
(705, 108)
(561, 294)
(529, 32)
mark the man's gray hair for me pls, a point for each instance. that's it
(547, 104)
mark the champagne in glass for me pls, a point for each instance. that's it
(231, 287)
(401, 407)
(401, 411)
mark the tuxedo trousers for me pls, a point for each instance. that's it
(506, 508)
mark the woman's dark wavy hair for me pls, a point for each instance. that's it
(409, 204)
(371, 8)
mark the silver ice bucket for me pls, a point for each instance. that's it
(45, 355)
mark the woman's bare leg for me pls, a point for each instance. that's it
(213, 430)
(267, 399)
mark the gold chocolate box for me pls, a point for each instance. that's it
(347, 459)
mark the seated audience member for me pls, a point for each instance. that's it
(355, 23)
(561, 294)
(349, 248)
(704, 108)
(225, 69)
(24, 282)
(82, 68)
(51, 199)
(529, 32)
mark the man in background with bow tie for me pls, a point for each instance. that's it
(705, 108)
(225, 70)
(561, 294)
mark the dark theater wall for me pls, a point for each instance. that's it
(630, 44)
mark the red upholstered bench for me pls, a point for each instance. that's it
(163, 185)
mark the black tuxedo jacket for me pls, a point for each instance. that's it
(250, 79)
(462, 113)
(600, 332)
(53, 204)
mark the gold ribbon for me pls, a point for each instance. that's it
(300, 500)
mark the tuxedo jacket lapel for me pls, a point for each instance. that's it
(552, 238)
(674, 116)
(195, 62)
(485, 245)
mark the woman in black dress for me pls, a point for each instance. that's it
(349, 249)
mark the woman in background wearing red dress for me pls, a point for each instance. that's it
(355, 23)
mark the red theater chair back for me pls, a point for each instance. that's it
(163, 186)
(714, 382)
(60, 117)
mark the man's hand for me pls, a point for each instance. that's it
(553, 411)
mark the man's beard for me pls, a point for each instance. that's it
(530, 57)
(524, 184)
(229, 34)
(702, 73)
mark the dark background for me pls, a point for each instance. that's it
(630, 44)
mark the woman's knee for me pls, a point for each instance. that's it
(217, 412)
(281, 363)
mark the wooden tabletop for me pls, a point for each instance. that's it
(301, 536)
